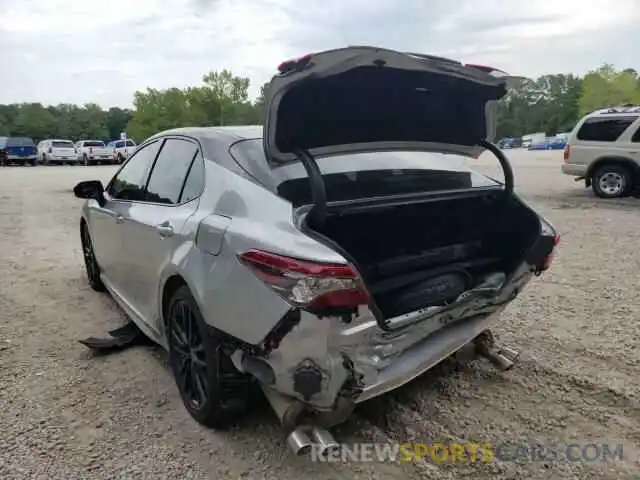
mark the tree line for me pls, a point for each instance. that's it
(551, 103)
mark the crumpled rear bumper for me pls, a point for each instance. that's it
(358, 360)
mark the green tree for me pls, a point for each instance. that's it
(607, 87)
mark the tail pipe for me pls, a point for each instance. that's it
(503, 357)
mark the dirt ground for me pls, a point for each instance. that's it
(65, 414)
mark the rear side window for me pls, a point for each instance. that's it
(170, 171)
(604, 129)
(194, 183)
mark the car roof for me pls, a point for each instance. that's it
(227, 135)
(630, 110)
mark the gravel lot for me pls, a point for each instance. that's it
(67, 414)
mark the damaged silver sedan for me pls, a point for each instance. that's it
(329, 257)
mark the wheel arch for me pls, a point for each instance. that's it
(622, 161)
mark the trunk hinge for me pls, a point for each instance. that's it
(318, 214)
(504, 163)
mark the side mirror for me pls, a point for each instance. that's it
(90, 189)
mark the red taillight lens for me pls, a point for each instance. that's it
(307, 284)
(546, 262)
(567, 153)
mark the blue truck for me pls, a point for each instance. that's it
(18, 150)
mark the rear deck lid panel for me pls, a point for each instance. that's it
(359, 99)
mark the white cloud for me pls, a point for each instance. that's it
(78, 51)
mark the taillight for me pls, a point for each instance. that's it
(546, 262)
(50, 150)
(567, 153)
(90, 149)
(307, 284)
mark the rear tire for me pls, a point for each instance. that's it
(212, 390)
(90, 262)
(612, 181)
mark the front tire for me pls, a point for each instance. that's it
(90, 262)
(212, 390)
(612, 181)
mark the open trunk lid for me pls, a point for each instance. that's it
(358, 99)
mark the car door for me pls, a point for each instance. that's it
(153, 230)
(107, 222)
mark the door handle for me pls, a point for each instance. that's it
(119, 219)
(164, 229)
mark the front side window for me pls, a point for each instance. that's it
(129, 182)
(170, 170)
(604, 129)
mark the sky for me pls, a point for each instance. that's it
(79, 51)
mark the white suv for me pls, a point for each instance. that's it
(604, 151)
(56, 151)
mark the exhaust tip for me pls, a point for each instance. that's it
(324, 440)
(299, 442)
(499, 360)
(510, 353)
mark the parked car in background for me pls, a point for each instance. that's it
(557, 143)
(121, 149)
(604, 151)
(533, 138)
(93, 152)
(18, 150)
(57, 151)
(510, 142)
(246, 252)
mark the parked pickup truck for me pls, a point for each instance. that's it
(18, 150)
(121, 149)
(93, 151)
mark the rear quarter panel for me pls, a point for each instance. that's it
(230, 297)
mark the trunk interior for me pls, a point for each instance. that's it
(413, 256)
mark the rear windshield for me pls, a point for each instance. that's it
(62, 144)
(92, 143)
(19, 142)
(361, 175)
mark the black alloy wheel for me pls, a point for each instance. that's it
(213, 391)
(90, 262)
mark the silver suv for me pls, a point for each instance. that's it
(604, 151)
